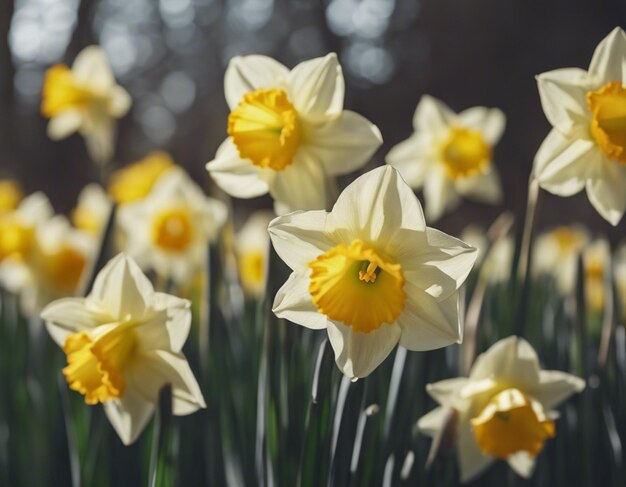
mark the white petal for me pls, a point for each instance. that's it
(236, 176)
(407, 158)
(446, 392)
(70, 315)
(299, 238)
(91, 67)
(301, 185)
(129, 415)
(431, 423)
(64, 124)
(483, 187)
(489, 122)
(562, 166)
(358, 354)
(99, 132)
(375, 206)
(563, 98)
(121, 289)
(439, 194)
(426, 323)
(609, 59)
(606, 191)
(431, 115)
(178, 318)
(245, 74)
(523, 463)
(344, 144)
(35, 209)
(316, 88)
(293, 303)
(472, 461)
(510, 360)
(120, 102)
(554, 387)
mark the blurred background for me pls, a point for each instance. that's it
(171, 56)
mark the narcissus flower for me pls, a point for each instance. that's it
(170, 229)
(10, 195)
(371, 273)
(92, 211)
(252, 245)
(596, 257)
(587, 145)
(450, 155)
(86, 99)
(123, 344)
(135, 181)
(288, 132)
(503, 409)
(556, 254)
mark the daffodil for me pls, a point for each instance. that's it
(86, 99)
(10, 195)
(92, 211)
(288, 132)
(371, 273)
(596, 257)
(252, 245)
(587, 145)
(170, 229)
(450, 155)
(556, 253)
(135, 181)
(496, 260)
(620, 281)
(504, 409)
(123, 343)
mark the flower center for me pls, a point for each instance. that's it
(86, 220)
(65, 268)
(608, 126)
(264, 127)
(61, 92)
(512, 422)
(252, 269)
(566, 239)
(355, 285)
(95, 367)
(10, 195)
(465, 153)
(172, 230)
(134, 182)
(16, 239)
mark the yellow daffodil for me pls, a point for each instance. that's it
(92, 211)
(123, 343)
(86, 99)
(503, 409)
(10, 195)
(170, 229)
(587, 145)
(450, 155)
(288, 132)
(135, 181)
(595, 260)
(556, 252)
(252, 245)
(371, 273)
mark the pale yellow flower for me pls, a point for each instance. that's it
(503, 409)
(85, 99)
(450, 155)
(371, 273)
(595, 259)
(135, 181)
(10, 195)
(92, 211)
(123, 343)
(288, 132)
(252, 246)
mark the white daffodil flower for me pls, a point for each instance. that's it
(170, 229)
(123, 344)
(587, 145)
(86, 99)
(288, 132)
(596, 257)
(450, 155)
(92, 210)
(371, 273)
(252, 245)
(555, 253)
(503, 409)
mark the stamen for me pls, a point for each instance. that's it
(369, 271)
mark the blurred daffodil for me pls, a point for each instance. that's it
(587, 145)
(371, 273)
(503, 409)
(10, 195)
(556, 254)
(123, 343)
(86, 99)
(596, 257)
(620, 280)
(450, 155)
(135, 181)
(92, 211)
(170, 229)
(252, 245)
(288, 132)
(497, 259)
